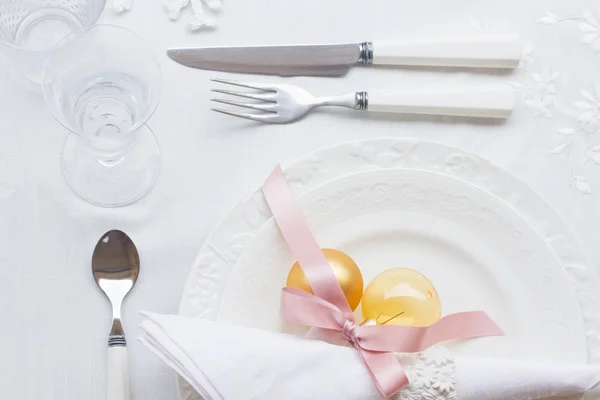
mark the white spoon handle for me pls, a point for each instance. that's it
(487, 102)
(117, 387)
(491, 51)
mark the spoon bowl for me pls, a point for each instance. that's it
(116, 266)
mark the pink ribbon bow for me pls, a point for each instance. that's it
(328, 309)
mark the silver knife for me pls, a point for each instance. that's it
(487, 51)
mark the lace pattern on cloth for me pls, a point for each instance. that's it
(431, 375)
(198, 20)
(121, 6)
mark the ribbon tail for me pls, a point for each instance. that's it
(385, 370)
(407, 339)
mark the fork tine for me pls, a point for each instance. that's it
(250, 85)
(263, 107)
(255, 96)
(253, 117)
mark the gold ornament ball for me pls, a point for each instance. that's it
(346, 272)
(401, 296)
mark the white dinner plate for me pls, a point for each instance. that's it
(484, 238)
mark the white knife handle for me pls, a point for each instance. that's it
(492, 51)
(117, 387)
(488, 102)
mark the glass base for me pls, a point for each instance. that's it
(112, 184)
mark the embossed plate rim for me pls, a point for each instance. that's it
(417, 194)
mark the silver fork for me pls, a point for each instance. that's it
(280, 104)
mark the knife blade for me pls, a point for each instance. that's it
(328, 60)
(490, 51)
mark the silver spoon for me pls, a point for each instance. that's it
(116, 265)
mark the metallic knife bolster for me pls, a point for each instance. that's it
(365, 53)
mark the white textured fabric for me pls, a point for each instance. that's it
(505, 379)
(55, 321)
(225, 362)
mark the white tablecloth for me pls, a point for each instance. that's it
(56, 321)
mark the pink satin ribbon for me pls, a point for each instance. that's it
(328, 308)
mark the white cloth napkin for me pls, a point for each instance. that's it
(234, 363)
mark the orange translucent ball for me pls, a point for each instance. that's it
(346, 272)
(401, 296)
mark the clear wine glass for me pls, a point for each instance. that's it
(29, 29)
(103, 83)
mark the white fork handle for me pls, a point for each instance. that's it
(117, 387)
(491, 51)
(485, 102)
